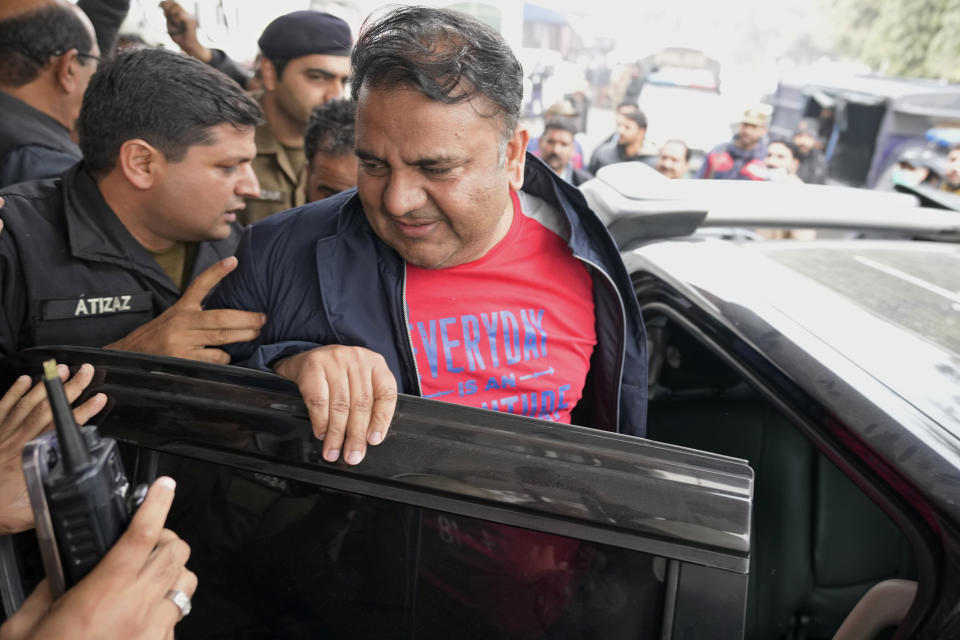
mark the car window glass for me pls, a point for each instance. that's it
(281, 558)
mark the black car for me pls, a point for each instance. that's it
(831, 367)
(464, 523)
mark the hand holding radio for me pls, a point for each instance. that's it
(25, 414)
(127, 595)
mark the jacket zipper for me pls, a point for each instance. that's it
(406, 330)
(623, 336)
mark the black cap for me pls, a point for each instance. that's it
(304, 33)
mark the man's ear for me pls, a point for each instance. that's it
(141, 163)
(65, 71)
(516, 157)
(268, 74)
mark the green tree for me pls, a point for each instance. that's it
(901, 37)
(943, 56)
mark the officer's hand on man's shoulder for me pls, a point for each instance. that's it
(186, 330)
(350, 395)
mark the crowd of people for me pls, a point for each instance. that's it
(751, 154)
(321, 219)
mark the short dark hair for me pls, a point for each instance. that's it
(331, 129)
(629, 104)
(561, 124)
(448, 56)
(789, 144)
(279, 65)
(168, 99)
(686, 149)
(637, 116)
(28, 40)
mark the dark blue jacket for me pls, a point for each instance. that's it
(323, 277)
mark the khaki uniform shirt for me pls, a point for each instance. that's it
(281, 187)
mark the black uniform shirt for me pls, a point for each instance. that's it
(71, 273)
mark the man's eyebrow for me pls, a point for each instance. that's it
(366, 155)
(238, 158)
(445, 161)
(323, 72)
(431, 162)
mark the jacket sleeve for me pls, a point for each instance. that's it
(247, 288)
(226, 65)
(106, 16)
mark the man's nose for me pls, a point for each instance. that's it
(404, 193)
(337, 90)
(247, 185)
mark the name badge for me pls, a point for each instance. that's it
(65, 308)
(272, 195)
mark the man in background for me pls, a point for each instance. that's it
(557, 148)
(813, 165)
(782, 161)
(47, 56)
(304, 62)
(630, 145)
(561, 110)
(328, 143)
(741, 158)
(673, 160)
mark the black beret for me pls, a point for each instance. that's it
(304, 33)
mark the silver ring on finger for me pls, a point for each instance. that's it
(180, 599)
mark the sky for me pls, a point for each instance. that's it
(740, 32)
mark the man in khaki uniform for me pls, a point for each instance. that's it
(305, 63)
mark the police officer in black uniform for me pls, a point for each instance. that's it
(100, 255)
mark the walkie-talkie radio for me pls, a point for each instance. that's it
(78, 491)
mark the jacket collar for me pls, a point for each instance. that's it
(95, 232)
(542, 181)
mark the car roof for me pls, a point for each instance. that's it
(867, 327)
(638, 203)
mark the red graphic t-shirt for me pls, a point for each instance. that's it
(512, 331)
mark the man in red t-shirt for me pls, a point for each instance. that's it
(462, 269)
